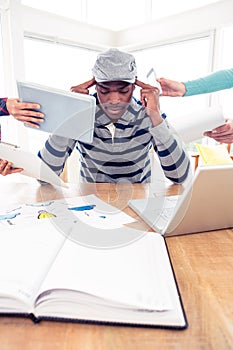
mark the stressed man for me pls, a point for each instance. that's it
(125, 129)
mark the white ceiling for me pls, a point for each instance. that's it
(116, 15)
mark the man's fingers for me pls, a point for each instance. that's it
(25, 111)
(33, 124)
(15, 104)
(222, 130)
(28, 113)
(24, 117)
(32, 121)
(89, 83)
(3, 164)
(144, 86)
(222, 139)
(141, 84)
(28, 105)
(83, 87)
(16, 170)
(79, 89)
(6, 168)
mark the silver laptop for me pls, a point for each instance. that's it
(205, 205)
(67, 113)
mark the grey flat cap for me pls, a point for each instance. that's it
(115, 65)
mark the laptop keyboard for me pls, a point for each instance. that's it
(164, 215)
(167, 213)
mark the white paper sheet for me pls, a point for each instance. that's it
(102, 215)
(26, 253)
(134, 275)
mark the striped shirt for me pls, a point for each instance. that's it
(3, 109)
(121, 152)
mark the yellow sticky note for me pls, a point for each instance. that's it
(213, 155)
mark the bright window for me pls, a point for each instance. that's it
(56, 64)
(2, 85)
(1, 63)
(225, 96)
(1, 67)
(180, 61)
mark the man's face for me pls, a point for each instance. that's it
(114, 97)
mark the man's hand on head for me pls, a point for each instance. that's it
(150, 100)
(84, 87)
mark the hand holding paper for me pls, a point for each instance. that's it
(192, 126)
(223, 133)
(7, 168)
(29, 163)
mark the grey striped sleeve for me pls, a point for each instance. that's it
(174, 160)
(55, 152)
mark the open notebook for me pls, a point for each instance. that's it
(48, 275)
(205, 205)
(66, 113)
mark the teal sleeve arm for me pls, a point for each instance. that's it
(219, 80)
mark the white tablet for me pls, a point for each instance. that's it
(67, 114)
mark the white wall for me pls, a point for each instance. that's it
(190, 23)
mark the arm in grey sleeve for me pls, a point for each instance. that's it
(55, 152)
(173, 158)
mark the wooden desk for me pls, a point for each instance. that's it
(203, 264)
